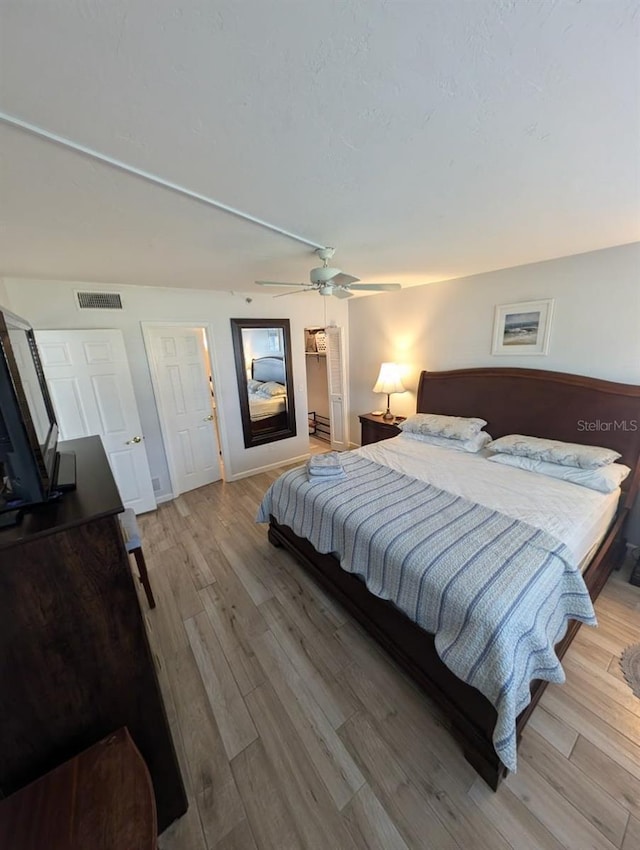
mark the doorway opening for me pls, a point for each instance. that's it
(183, 383)
(326, 388)
(318, 414)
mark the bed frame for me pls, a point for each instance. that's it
(269, 369)
(554, 405)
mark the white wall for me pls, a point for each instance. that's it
(51, 305)
(4, 295)
(449, 325)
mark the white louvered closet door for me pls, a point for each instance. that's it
(337, 383)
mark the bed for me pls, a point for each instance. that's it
(546, 404)
(267, 412)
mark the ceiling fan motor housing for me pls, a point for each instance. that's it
(322, 274)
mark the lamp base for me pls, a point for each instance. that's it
(389, 415)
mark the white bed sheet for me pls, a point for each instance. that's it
(577, 516)
(260, 407)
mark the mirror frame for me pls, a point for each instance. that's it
(237, 326)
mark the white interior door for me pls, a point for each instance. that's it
(180, 365)
(92, 393)
(337, 382)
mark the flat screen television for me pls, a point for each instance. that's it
(31, 471)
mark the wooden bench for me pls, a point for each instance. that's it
(133, 545)
(100, 800)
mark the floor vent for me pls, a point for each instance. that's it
(99, 300)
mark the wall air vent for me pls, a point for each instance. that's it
(99, 300)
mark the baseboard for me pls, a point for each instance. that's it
(258, 469)
(168, 497)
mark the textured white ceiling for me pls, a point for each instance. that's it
(425, 138)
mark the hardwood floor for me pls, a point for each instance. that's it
(294, 731)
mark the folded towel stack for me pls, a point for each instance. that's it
(326, 467)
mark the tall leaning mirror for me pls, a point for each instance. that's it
(262, 351)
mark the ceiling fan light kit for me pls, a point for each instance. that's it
(327, 280)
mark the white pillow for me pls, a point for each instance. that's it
(554, 451)
(270, 389)
(606, 479)
(473, 445)
(436, 425)
(253, 385)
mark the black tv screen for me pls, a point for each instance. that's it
(28, 428)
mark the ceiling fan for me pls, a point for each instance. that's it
(331, 281)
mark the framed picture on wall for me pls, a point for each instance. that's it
(522, 328)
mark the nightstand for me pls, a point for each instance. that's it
(375, 428)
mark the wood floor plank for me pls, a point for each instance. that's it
(240, 838)
(389, 695)
(202, 752)
(584, 650)
(421, 817)
(327, 752)
(605, 773)
(272, 824)
(632, 837)
(299, 597)
(602, 639)
(173, 563)
(186, 832)
(602, 705)
(612, 621)
(513, 818)
(553, 810)
(181, 506)
(559, 734)
(614, 669)
(337, 702)
(197, 561)
(595, 804)
(236, 621)
(579, 671)
(329, 608)
(311, 806)
(370, 825)
(595, 729)
(250, 565)
(234, 722)
(428, 754)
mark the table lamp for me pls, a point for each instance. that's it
(389, 382)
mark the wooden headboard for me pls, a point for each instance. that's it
(554, 405)
(268, 369)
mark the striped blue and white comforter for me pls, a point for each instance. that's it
(496, 592)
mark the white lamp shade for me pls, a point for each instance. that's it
(389, 379)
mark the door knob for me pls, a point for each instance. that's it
(208, 418)
(134, 440)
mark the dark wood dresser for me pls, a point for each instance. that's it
(374, 428)
(75, 664)
(102, 799)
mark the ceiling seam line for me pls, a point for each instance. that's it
(152, 178)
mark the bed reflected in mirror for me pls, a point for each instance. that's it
(262, 351)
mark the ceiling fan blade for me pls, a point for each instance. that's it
(342, 279)
(341, 293)
(277, 283)
(297, 292)
(376, 287)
